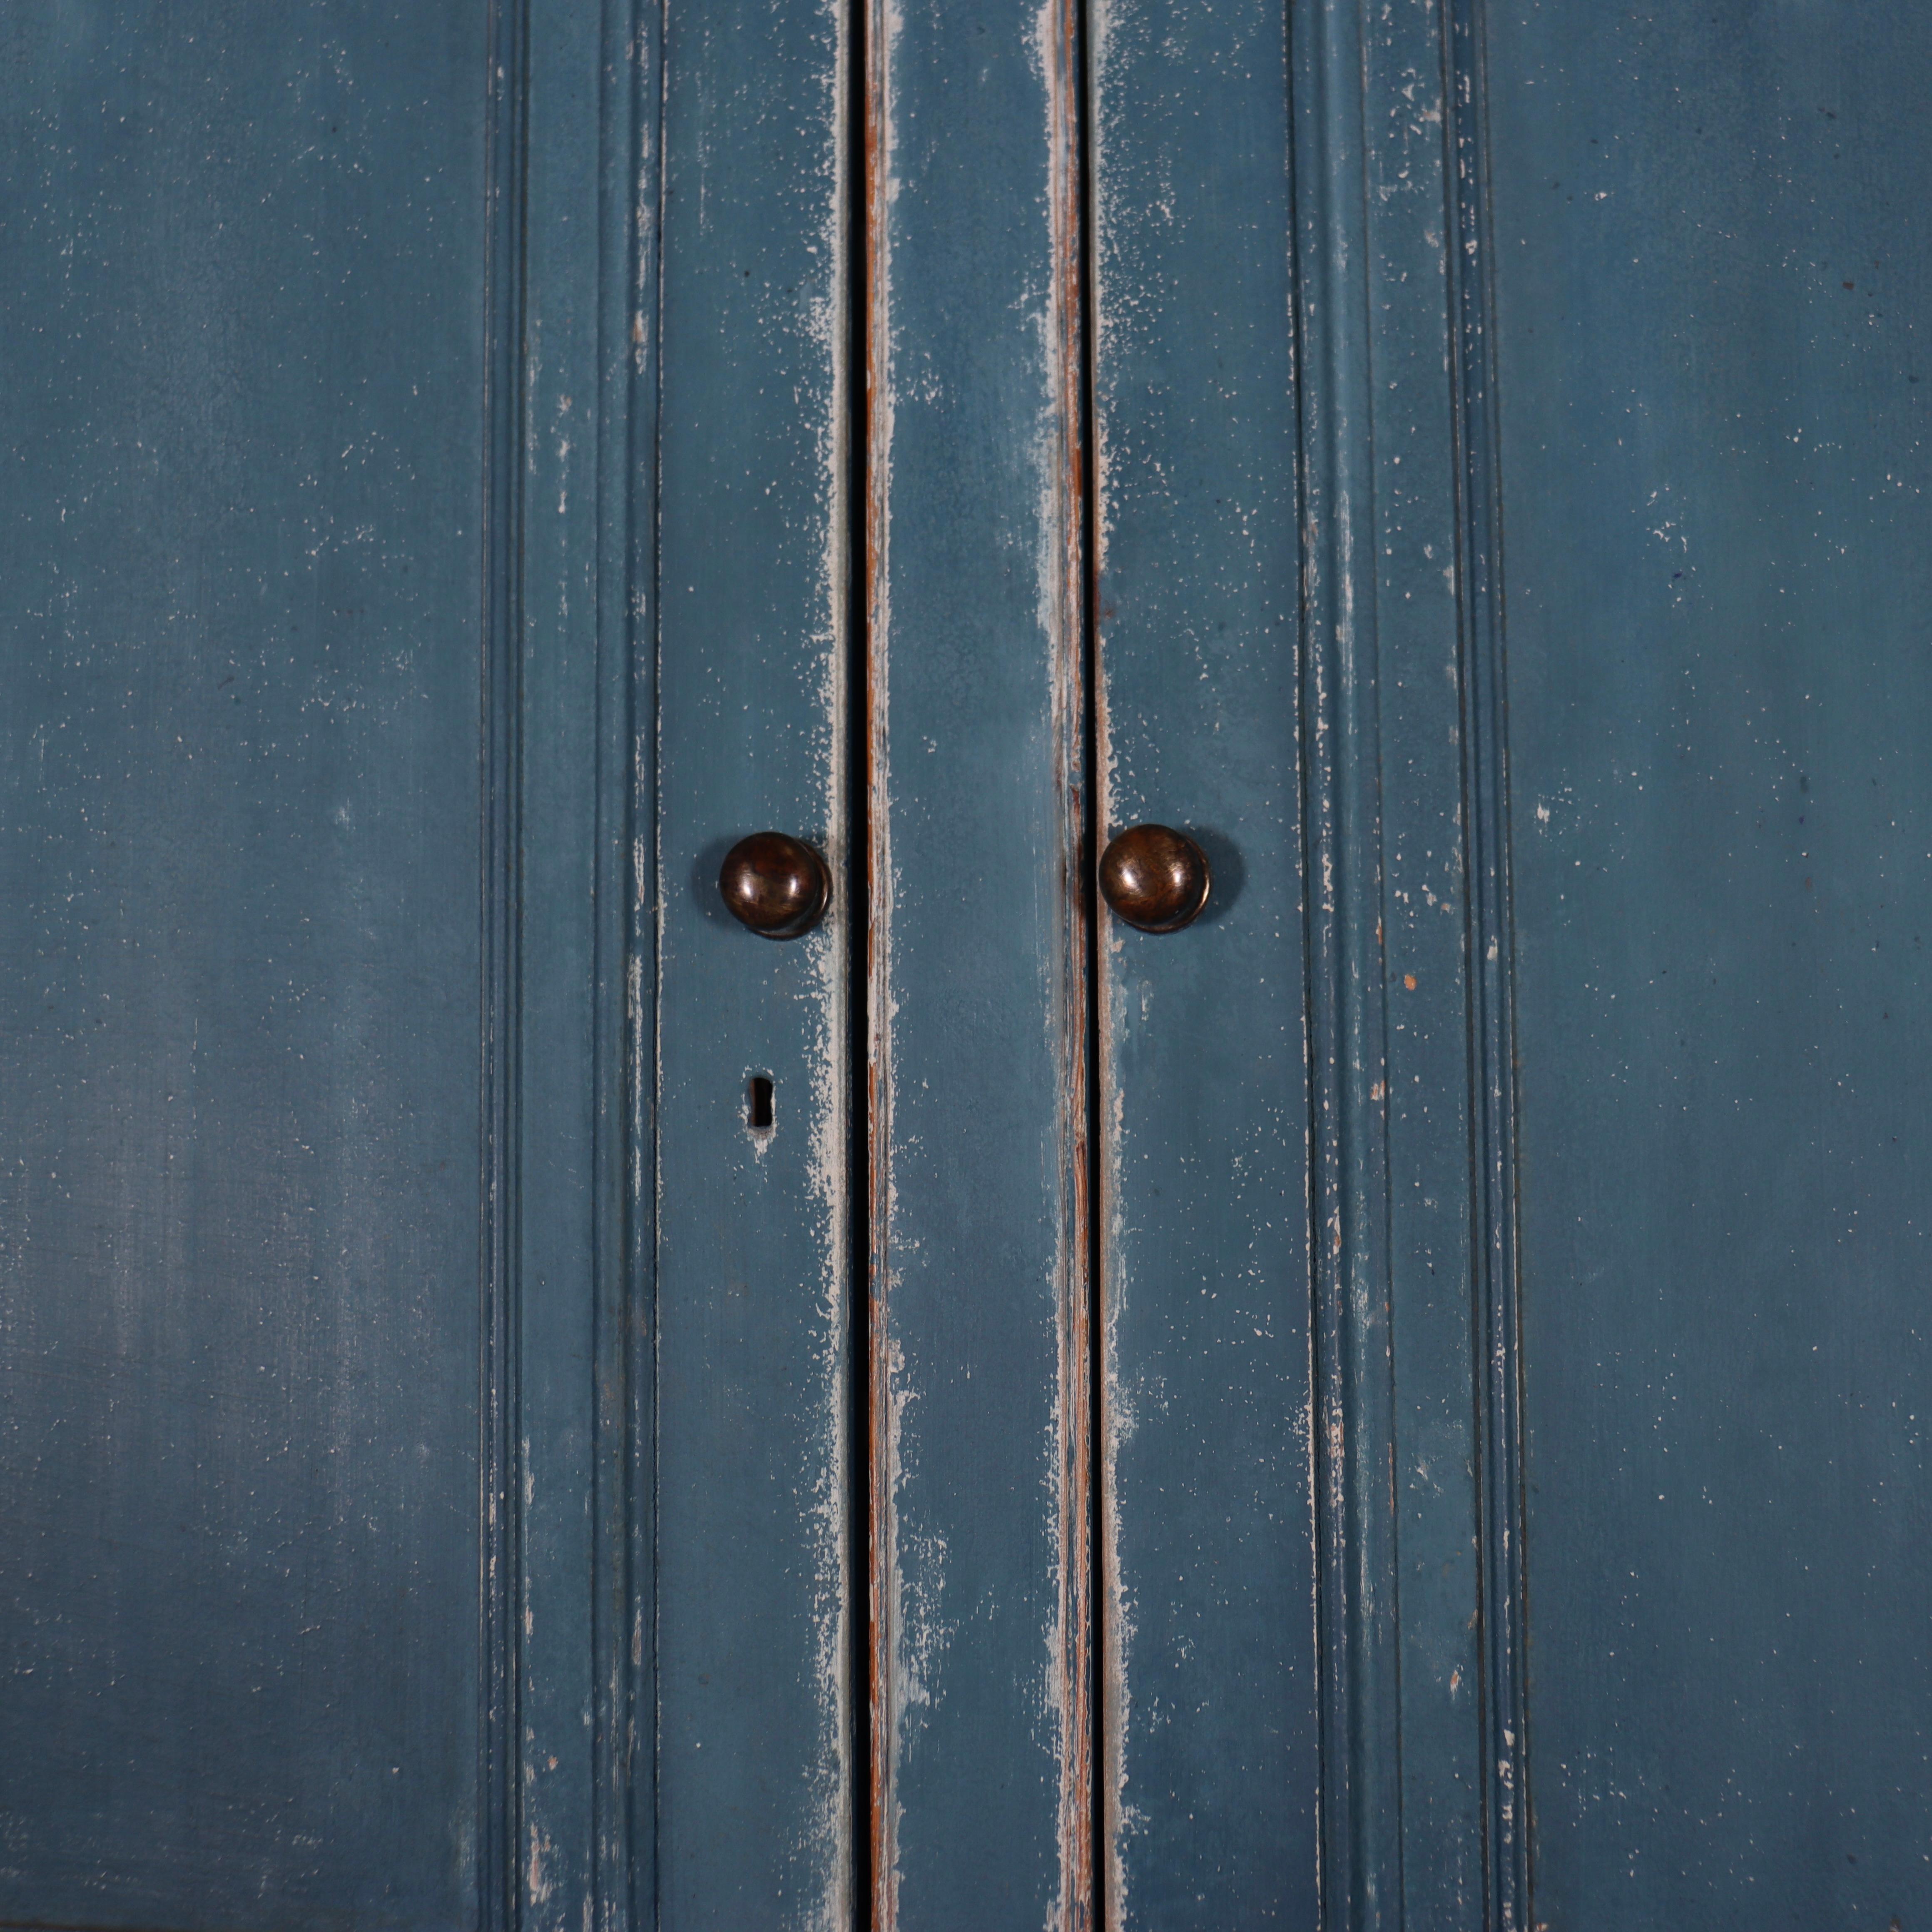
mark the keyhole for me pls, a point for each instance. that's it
(758, 1104)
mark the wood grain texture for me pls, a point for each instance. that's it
(1209, 1692)
(979, 1391)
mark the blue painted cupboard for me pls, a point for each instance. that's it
(1398, 1401)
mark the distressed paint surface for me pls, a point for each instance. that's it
(244, 325)
(1208, 1692)
(429, 1441)
(1428, 934)
(583, 412)
(979, 1395)
(1710, 274)
(328, 340)
(752, 1630)
(1336, 123)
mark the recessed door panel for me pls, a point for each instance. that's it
(241, 977)
(1708, 265)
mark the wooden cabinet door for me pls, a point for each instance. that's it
(427, 1433)
(1711, 441)
(1606, 457)
(253, 993)
(1617, 552)
(1398, 1403)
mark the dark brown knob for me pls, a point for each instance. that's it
(1155, 877)
(777, 885)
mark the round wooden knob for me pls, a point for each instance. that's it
(777, 885)
(1155, 877)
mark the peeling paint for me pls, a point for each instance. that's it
(1062, 563)
(889, 1665)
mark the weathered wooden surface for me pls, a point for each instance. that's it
(979, 1395)
(1418, 1763)
(242, 315)
(431, 1462)
(1711, 270)
(1208, 1695)
(752, 1633)
(572, 270)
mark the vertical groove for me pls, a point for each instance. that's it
(873, 309)
(623, 1119)
(1088, 833)
(1334, 1866)
(854, 270)
(654, 914)
(1065, 89)
(501, 761)
(639, 874)
(1497, 1394)
(1326, 1385)
(1318, 980)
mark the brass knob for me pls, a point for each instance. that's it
(1156, 878)
(777, 885)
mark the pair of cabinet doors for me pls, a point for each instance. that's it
(1402, 1404)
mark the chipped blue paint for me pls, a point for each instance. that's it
(1606, 339)
(752, 1635)
(1209, 1765)
(982, 1752)
(437, 1421)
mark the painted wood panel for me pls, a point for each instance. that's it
(1419, 1813)
(1709, 269)
(244, 320)
(979, 1399)
(752, 1629)
(337, 1319)
(1208, 1693)
(577, 397)
(436, 1420)
(1431, 943)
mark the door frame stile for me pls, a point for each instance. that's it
(882, 1607)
